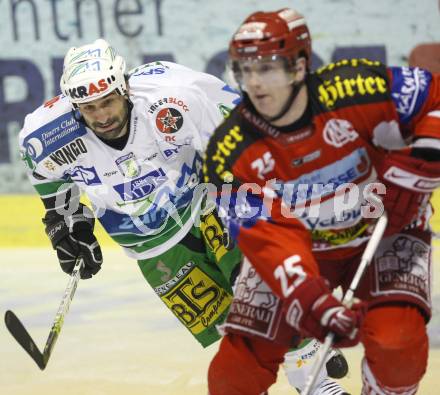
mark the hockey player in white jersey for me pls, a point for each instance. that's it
(133, 143)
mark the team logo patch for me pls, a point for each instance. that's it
(169, 120)
(128, 165)
(338, 132)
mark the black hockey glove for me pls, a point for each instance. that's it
(72, 236)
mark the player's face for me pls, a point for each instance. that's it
(267, 83)
(107, 116)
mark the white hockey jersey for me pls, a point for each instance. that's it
(143, 194)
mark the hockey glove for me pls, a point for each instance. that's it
(71, 237)
(409, 183)
(314, 311)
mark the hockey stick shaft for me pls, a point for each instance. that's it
(22, 336)
(62, 310)
(367, 256)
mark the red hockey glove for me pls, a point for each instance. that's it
(316, 312)
(409, 182)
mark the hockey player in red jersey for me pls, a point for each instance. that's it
(294, 166)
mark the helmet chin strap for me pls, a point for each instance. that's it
(296, 86)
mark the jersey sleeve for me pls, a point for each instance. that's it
(217, 100)
(416, 96)
(253, 213)
(55, 192)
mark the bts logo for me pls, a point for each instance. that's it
(214, 234)
(197, 300)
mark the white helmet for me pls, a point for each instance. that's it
(92, 71)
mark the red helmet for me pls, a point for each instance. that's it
(283, 33)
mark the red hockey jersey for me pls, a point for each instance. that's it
(308, 187)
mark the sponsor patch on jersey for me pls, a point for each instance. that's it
(255, 309)
(128, 165)
(306, 158)
(85, 175)
(402, 265)
(152, 68)
(194, 298)
(110, 173)
(164, 200)
(359, 80)
(409, 90)
(150, 71)
(48, 164)
(338, 132)
(53, 136)
(322, 223)
(167, 101)
(69, 153)
(142, 186)
(169, 120)
(324, 182)
(225, 147)
(214, 234)
(338, 237)
(170, 150)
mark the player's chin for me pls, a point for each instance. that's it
(110, 133)
(106, 129)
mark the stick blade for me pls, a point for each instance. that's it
(19, 332)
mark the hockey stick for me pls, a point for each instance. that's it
(19, 332)
(367, 256)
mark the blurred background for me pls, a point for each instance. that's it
(116, 333)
